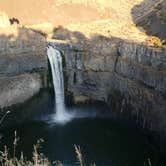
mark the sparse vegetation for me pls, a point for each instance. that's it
(8, 159)
(38, 159)
(157, 42)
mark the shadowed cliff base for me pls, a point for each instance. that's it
(151, 15)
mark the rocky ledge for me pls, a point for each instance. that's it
(23, 58)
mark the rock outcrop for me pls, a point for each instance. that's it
(21, 50)
(153, 20)
(18, 89)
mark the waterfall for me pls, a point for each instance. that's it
(55, 60)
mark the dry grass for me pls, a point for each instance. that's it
(38, 159)
(8, 159)
(157, 42)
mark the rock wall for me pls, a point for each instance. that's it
(22, 56)
(127, 75)
(18, 89)
(21, 50)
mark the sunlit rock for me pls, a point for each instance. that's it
(4, 20)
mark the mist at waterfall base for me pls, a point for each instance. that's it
(62, 115)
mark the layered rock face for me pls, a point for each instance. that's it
(22, 52)
(126, 75)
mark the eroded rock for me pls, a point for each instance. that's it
(18, 89)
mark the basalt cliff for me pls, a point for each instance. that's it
(109, 55)
(130, 77)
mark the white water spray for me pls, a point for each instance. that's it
(55, 60)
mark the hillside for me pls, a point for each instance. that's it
(55, 11)
(108, 17)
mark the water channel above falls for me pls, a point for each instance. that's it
(104, 139)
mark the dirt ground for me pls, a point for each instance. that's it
(68, 11)
(106, 17)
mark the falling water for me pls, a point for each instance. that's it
(55, 60)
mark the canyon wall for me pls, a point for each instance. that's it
(22, 56)
(128, 76)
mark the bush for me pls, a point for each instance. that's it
(38, 159)
(157, 42)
